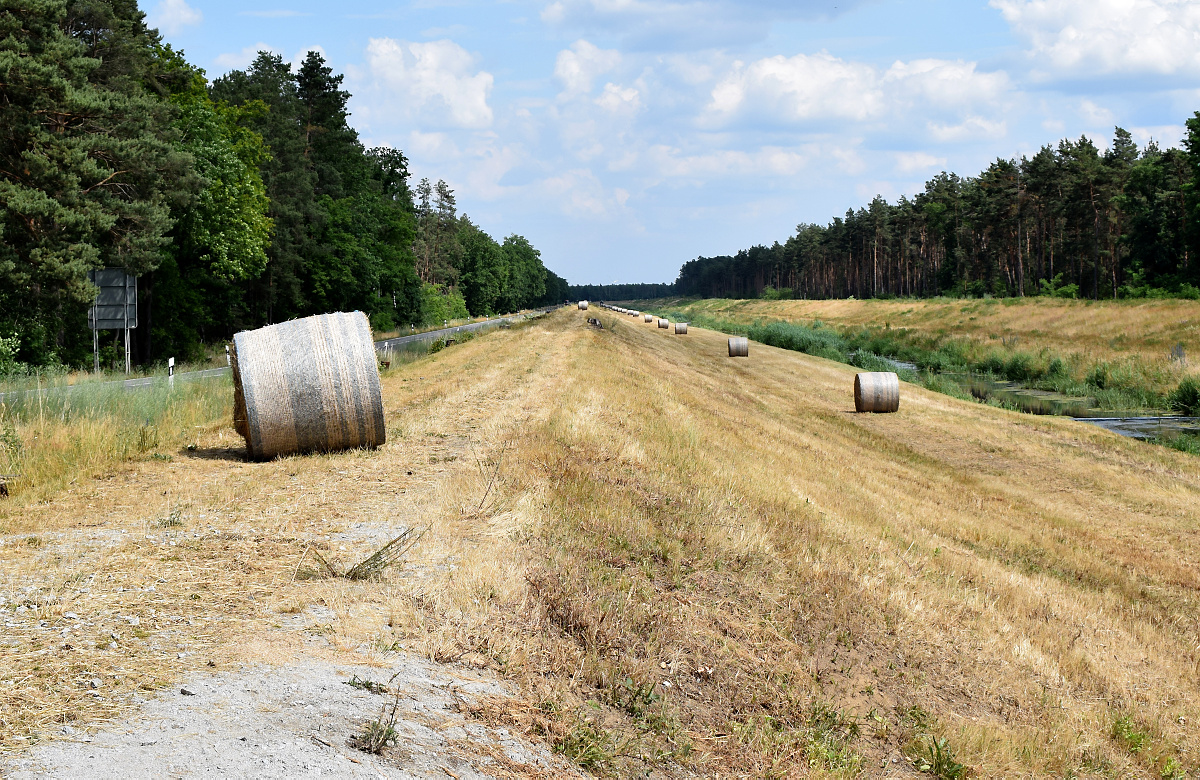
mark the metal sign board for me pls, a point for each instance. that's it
(115, 307)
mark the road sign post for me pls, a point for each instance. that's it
(115, 307)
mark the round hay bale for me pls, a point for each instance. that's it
(583, 305)
(309, 385)
(876, 391)
(681, 329)
(648, 317)
(662, 323)
(739, 346)
(635, 313)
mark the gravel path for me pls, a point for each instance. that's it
(297, 722)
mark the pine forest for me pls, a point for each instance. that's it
(1070, 221)
(238, 202)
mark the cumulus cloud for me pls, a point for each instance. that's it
(429, 84)
(946, 83)
(171, 16)
(1104, 37)
(820, 87)
(800, 88)
(577, 67)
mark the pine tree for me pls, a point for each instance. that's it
(87, 167)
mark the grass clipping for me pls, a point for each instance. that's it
(373, 566)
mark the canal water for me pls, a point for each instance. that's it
(1134, 423)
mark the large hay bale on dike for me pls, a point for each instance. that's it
(648, 318)
(583, 305)
(663, 323)
(739, 346)
(876, 391)
(681, 329)
(309, 385)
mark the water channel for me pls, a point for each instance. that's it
(1134, 423)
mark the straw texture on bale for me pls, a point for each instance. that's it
(583, 305)
(648, 317)
(309, 385)
(681, 329)
(664, 324)
(739, 346)
(876, 391)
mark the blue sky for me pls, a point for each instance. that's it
(625, 137)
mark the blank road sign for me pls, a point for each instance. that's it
(117, 299)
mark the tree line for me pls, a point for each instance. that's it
(241, 202)
(620, 292)
(1070, 221)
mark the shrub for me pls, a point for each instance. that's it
(1020, 368)
(1185, 399)
(1057, 368)
(992, 364)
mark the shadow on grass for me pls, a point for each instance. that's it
(216, 453)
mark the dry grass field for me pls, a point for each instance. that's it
(1142, 333)
(686, 564)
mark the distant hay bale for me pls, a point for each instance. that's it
(309, 385)
(648, 317)
(635, 313)
(583, 305)
(876, 391)
(681, 329)
(739, 346)
(662, 323)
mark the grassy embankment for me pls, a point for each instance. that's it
(686, 562)
(1119, 353)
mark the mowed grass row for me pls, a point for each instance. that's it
(687, 563)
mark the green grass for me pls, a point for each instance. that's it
(52, 431)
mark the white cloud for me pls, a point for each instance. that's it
(947, 83)
(971, 129)
(671, 163)
(616, 99)
(1103, 37)
(1163, 135)
(909, 162)
(579, 65)
(1095, 115)
(579, 193)
(241, 59)
(171, 16)
(821, 87)
(430, 84)
(799, 88)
